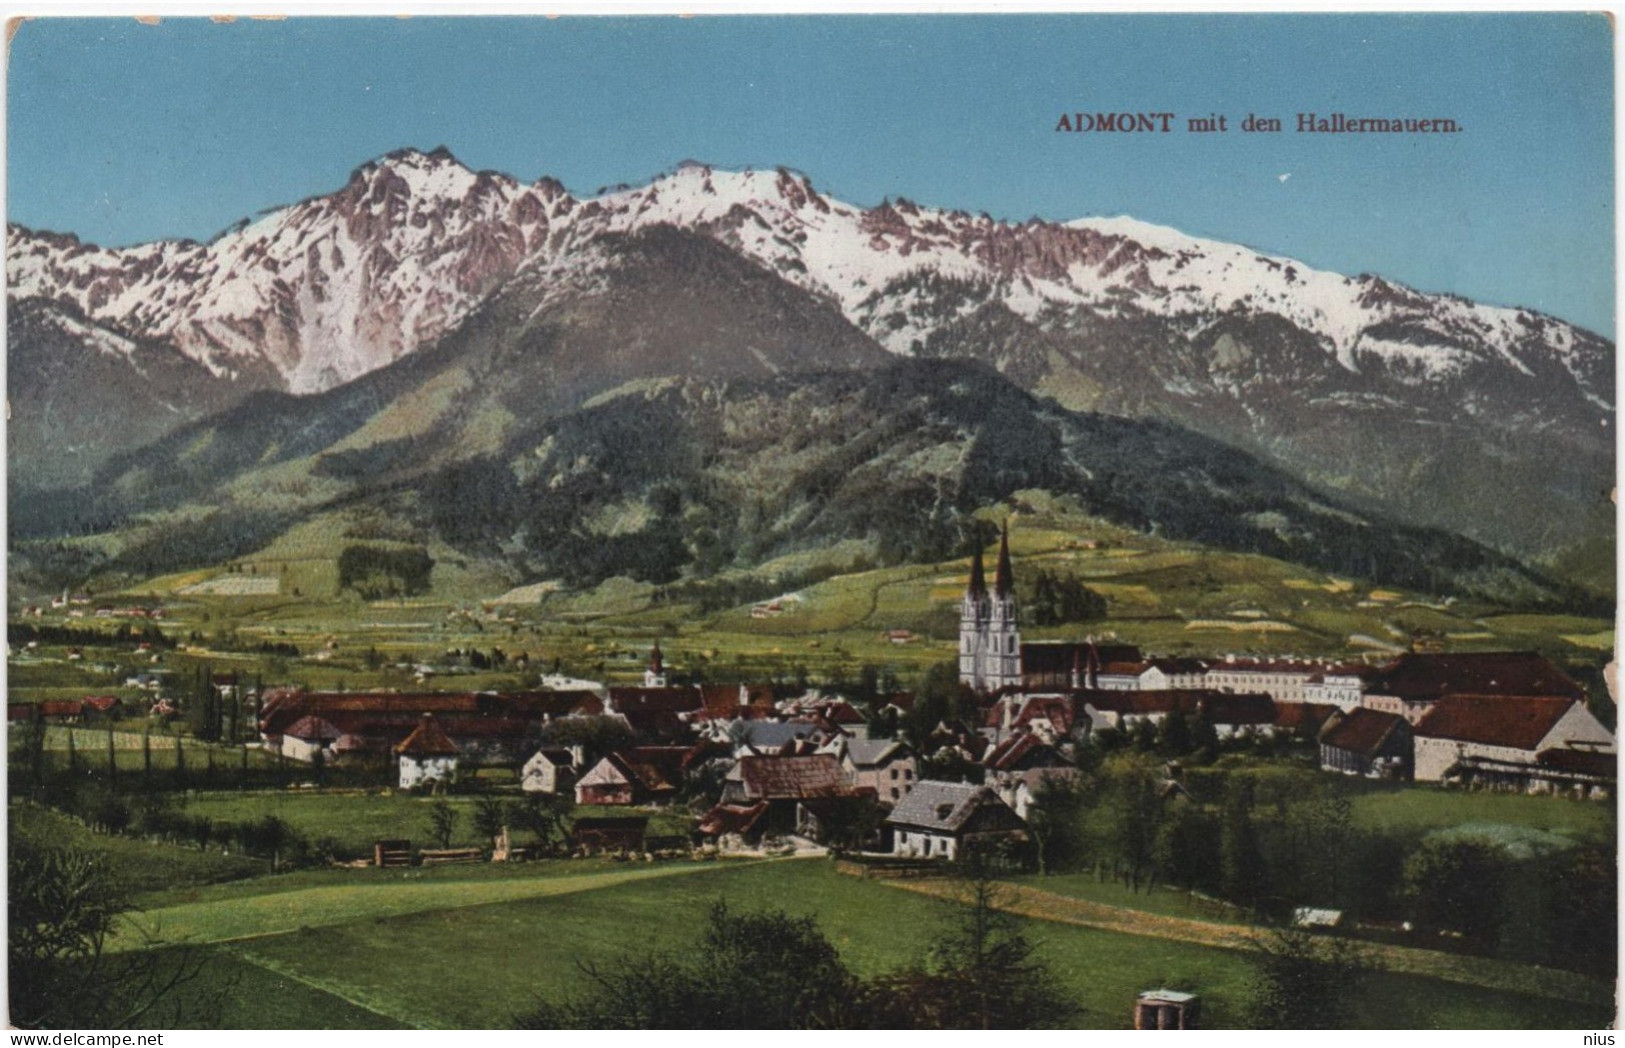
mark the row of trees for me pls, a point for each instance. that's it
(540, 815)
(1053, 599)
(1269, 843)
(376, 572)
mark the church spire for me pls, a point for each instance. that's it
(655, 675)
(978, 580)
(1001, 580)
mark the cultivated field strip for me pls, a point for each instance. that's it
(238, 919)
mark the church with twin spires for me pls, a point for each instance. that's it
(989, 639)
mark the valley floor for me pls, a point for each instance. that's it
(373, 949)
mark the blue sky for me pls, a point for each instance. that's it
(122, 132)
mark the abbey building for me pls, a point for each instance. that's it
(989, 639)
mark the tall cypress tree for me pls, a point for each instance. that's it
(36, 748)
(1243, 876)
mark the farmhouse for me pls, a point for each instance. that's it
(549, 771)
(307, 737)
(1369, 743)
(786, 785)
(1498, 741)
(1018, 766)
(634, 775)
(427, 757)
(1051, 717)
(754, 779)
(940, 820)
(732, 827)
(884, 765)
(1303, 719)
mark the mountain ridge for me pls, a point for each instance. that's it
(543, 216)
(1423, 404)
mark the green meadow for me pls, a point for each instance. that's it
(378, 957)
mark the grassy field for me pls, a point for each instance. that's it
(514, 949)
(243, 916)
(1432, 808)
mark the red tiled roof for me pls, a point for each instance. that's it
(1515, 721)
(314, 729)
(778, 778)
(731, 818)
(1062, 657)
(656, 725)
(541, 703)
(651, 700)
(103, 703)
(427, 740)
(1022, 751)
(720, 700)
(1054, 708)
(658, 769)
(1362, 731)
(1162, 701)
(1423, 677)
(484, 713)
(1308, 715)
(841, 713)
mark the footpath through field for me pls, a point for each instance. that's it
(278, 912)
(1486, 972)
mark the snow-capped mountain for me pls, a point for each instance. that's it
(333, 287)
(1422, 403)
(323, 291)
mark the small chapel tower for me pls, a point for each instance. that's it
(989, 638)
(655, 675)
